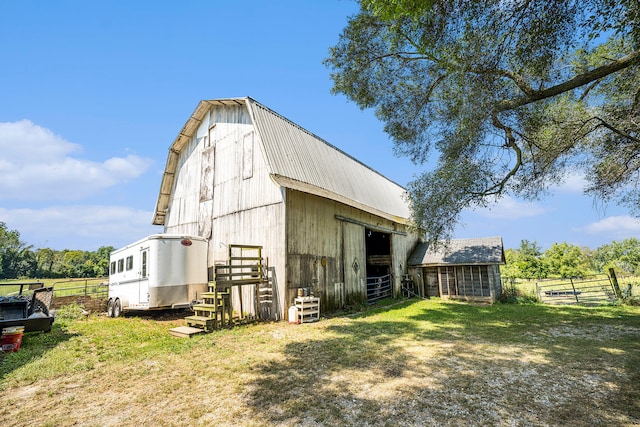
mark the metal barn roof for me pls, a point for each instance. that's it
(484, 250)
(299, 160)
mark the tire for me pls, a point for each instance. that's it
(110, 307)
(117, 308)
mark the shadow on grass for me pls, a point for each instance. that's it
(34, 345)
(443, 363)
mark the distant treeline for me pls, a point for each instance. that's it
(19, 260)
(566, 260)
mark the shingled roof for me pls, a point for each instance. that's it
(484, 250)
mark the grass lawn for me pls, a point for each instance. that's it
(416, 363)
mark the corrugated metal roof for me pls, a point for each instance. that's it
(483, 250)
(300, 160)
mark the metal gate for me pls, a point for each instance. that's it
(379, 288)
(586, 290)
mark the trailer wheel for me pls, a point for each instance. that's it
(110, 307)
(117, 308)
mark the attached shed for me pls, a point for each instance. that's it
(464, 268)
(239, 173)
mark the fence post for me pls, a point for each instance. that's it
(614, 283)
(574, 290)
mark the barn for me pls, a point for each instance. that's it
(240, 173)
(463, 268)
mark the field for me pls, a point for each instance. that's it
(62, 287)
(414, 363)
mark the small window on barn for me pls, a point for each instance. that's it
(247, 156)
(130, 262)
(121, 265)
(113, 267)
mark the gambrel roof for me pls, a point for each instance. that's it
(484, 250)
(300, 160)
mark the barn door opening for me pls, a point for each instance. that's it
(378, 253)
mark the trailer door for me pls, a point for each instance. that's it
(144, 275)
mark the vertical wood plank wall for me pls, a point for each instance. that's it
(231, 200)
(328, 255)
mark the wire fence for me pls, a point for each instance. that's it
(97, 287)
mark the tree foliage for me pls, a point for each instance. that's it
(567, 260)
(624, 256)
(16, 258)
(526, 262)
(19, 260)
(513, 96)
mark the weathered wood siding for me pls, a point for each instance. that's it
(223, 192)
(327, 255)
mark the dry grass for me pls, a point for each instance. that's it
(417, 363)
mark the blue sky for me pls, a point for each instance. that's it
(92, 93)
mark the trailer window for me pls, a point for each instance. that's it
(121, 265)
(113, 267)
(130, 262)
(144, 264)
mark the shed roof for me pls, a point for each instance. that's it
(483, 250)
(298, 159)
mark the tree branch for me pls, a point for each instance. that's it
(511, 143)
(622, 133)
(581, 79)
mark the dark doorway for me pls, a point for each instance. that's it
(378, 251)
(378, 247)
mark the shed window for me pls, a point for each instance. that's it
(448, 285)
(470, 281)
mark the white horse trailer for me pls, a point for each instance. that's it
(159, 271)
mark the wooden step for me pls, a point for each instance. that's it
(185, 331)
(207, 307)
(208, 323)
(214, 294)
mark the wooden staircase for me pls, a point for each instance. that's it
(244, 267)
(210, 313)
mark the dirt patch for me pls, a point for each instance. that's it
(399, 368)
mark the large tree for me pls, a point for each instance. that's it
(512, 94)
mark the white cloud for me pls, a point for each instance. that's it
(38, 165)
(79, 227)
(574, 182)
(616, 227)
(510, 208)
